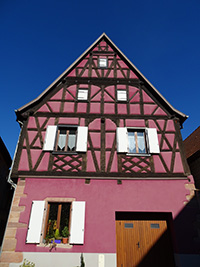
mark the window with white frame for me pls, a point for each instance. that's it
(137, 141)
(66, 138)
(102, 62)
(82, 94)
(121, 95)
(58, 215)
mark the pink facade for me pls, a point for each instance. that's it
(103, 199)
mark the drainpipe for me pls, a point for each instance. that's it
(9, 179)
(13, 185)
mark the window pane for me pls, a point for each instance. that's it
(53, 211)
(103, 62)
(71, 140)
(62, 140)
(141, 142)
(52, 220)
(131, 142)
(64, 221)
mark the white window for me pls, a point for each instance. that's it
(66, 139)
(82, 94)
(58, 215)
(121, 95)
(103, 62)
(137, 141)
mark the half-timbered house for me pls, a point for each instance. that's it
(100, 151)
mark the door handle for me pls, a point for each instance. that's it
(138, 244)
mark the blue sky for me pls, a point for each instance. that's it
(40, 39)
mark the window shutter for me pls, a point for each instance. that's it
(50, 138)
(77, 222)
(153, 140)
(82, 136)
(122, 140)
(35, 222)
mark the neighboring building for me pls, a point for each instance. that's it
(192, 150)
(100, 151)
(6, 191)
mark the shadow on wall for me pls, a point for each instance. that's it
(182, 237)
(185, 234)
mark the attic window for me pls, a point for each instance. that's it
(82, 94)
(121, 95)
(103, 62)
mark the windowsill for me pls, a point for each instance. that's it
(138, 155)
(57, 245)
(82, 100)
(64, 153)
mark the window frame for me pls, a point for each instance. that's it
(99, 63)
(68, 127)
(138, 130)
(122, 100)
(48, 204)
(85, 91)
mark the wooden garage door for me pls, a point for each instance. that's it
(143, 243)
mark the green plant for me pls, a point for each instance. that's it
(27, 263)
(65, 232)
(50, 229)
(57, 234)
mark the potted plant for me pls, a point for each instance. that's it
(57, 236)
(65, 235)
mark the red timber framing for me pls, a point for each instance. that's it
(102, 112)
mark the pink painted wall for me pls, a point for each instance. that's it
(103, 198)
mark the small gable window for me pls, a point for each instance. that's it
(66, 139)
(103, 62)
(82, 94)
(121, 95)
(137, 141)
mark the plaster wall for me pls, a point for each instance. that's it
(103, 198)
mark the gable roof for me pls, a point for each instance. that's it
(150, 87)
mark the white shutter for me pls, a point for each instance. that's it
(81, 141)
(35, 222)
(82, 94)
(153, 140)
(122, 140)
(50, 138)
(121, 95)
(77, 222)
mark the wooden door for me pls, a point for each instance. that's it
(143, 243)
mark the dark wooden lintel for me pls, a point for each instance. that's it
(98, 175)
